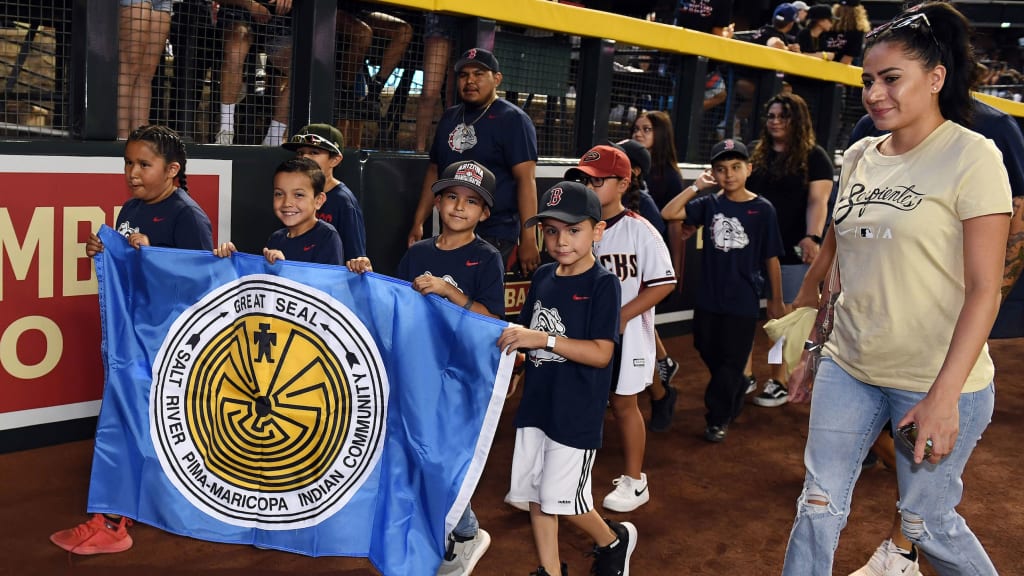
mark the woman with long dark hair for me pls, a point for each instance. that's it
(919, 236)
(795, 174)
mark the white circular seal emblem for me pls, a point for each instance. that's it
(268, 404)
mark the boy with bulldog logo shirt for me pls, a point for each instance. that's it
(741, 236)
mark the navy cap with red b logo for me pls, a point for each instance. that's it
(570, 202)
(477, 56)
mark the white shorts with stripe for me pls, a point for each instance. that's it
(554, 475)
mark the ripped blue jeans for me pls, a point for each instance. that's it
(846, 417)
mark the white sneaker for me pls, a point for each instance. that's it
(224, 138)
(461, 557)
(629, 494)
(889, 560)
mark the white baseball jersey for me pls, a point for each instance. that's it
(633, 250)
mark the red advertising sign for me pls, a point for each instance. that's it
(50, 363)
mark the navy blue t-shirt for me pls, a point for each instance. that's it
(342, 211)
(565, 399)
(503, 138)
(475, 269)
(663, 184)
(649, 210)
(738, 238)
(174, 222)
(321, 244)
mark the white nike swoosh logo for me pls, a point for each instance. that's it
(844, 232)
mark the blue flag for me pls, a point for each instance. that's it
(291, 406)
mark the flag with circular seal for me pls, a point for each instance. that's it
(291, 406)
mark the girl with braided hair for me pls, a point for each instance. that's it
(160, 213)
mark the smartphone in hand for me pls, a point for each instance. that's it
(908, 434)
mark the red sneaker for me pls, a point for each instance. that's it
(99, 535)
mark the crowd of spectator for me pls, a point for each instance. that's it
(245, 62)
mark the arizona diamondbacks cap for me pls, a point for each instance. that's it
(470, 174)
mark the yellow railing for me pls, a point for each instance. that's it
(584, 22)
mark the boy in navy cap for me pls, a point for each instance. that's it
(741, 234)
(572, 310)
(460, 267)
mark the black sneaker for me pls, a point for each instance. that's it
(542, 572)
(613, 560)
(774, 394)
(663, 410)
(667, 369)
(716, 434)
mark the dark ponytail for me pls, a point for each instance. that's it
(167, 144)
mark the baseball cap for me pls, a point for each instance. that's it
(570, 202)
(470, 174)
(477, 56)
(850, 2)
(639, 157)
(784, 13)
(800, 5)
(602, 161)
(322, 136)
(820, 12)
(727, 149)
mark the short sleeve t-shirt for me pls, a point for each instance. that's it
(320, 244)
(174, 222)
(788, 194)
(567, 400)
(767, 32)
(738, 237)
(633, 250)
(703, 15)
(342, 211)
(475, 269)
(845, 43)
(500, 138)
(663, 184)
(810, 44)
(898, 223)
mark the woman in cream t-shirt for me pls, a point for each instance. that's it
(919, 229)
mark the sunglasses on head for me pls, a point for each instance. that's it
(916, 21)
(315, 140)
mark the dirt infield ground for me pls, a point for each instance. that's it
(714, 510)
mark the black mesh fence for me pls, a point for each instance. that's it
(538, 76)
(34, 43)
(219, 73)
